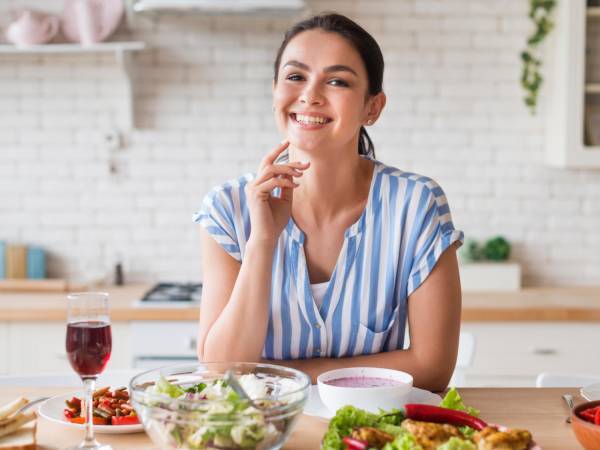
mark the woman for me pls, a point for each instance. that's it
(327, 273)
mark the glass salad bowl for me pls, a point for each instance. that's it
(191, 406)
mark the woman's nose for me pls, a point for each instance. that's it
(311, 96)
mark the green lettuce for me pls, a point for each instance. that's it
(452, 400)
(349, 417)
(172, 390)
(342, 423)
(457, 444)
(405, 441)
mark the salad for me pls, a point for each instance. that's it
(109, 408)
(211, 414)
(451, 426)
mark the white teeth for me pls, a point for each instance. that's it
(310, 119)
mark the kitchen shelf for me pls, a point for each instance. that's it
(122, 51)
(116, 47)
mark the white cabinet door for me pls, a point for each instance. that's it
(3, 348)
(39, 347)
(514, 353)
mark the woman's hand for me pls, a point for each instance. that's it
(269, 215)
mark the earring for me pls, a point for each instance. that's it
(370, 122)
(273, 108)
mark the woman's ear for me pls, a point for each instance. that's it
(375, 106)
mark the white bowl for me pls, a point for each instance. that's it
(370, 398)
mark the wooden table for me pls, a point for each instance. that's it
(541, 410)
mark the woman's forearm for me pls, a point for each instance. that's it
(240, 331)
(426, 375)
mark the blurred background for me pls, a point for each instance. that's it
(105, 155)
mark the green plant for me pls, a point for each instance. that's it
(540, 13)
(496, 249)
(471, 251)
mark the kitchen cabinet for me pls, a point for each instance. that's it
(573, 88)
(39, 347)
(157, 343)
(513, 354)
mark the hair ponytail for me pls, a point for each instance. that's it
(365, 144)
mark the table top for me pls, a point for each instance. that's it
(557, 304)
(540, 410)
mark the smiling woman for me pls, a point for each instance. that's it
(327, 273)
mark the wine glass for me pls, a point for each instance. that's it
(89, 344)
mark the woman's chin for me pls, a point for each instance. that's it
(311, 146)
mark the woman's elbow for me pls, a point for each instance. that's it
(434, 374)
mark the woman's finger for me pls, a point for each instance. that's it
(278, 170)
(269, 185)
(272, 156)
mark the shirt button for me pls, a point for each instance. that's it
(317, 325)
(318, 350)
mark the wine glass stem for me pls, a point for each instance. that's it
(89, 440)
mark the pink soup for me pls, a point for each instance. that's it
(363, 382)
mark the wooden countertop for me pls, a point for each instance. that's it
(541, 411)
(528, 304)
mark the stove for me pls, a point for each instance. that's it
(172, 295)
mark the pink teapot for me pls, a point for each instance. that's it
(32, 28)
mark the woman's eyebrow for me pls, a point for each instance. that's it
(334, 68)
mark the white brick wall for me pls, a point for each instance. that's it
(454, 113)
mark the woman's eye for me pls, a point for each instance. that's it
(338, 82)
(294, 77)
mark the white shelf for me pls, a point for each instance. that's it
(122, 51)
(74, 48)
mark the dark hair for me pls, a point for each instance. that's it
(361, 40)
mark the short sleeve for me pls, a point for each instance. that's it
(436, 233)
(217, 216)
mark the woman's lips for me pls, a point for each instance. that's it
(309, 125)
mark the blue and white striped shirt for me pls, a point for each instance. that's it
(387, 253)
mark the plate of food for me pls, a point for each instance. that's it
(315, 407)
(113, 413)
(450, 426)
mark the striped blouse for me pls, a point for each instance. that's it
(386, 254)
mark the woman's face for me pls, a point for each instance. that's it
(320, 94)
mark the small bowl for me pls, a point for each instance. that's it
(586, 433)
(371, 398)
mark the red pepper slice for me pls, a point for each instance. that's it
(597, 417)
(355, 444)
(587, 415)
(97, 420)
(436, 414)
(124, 420)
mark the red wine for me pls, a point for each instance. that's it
(88, 346)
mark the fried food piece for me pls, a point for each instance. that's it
(376, 438)
(430, 435)
(490, 438)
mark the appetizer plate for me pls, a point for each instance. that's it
(315, 407)
(591, 392)
(52, 409)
